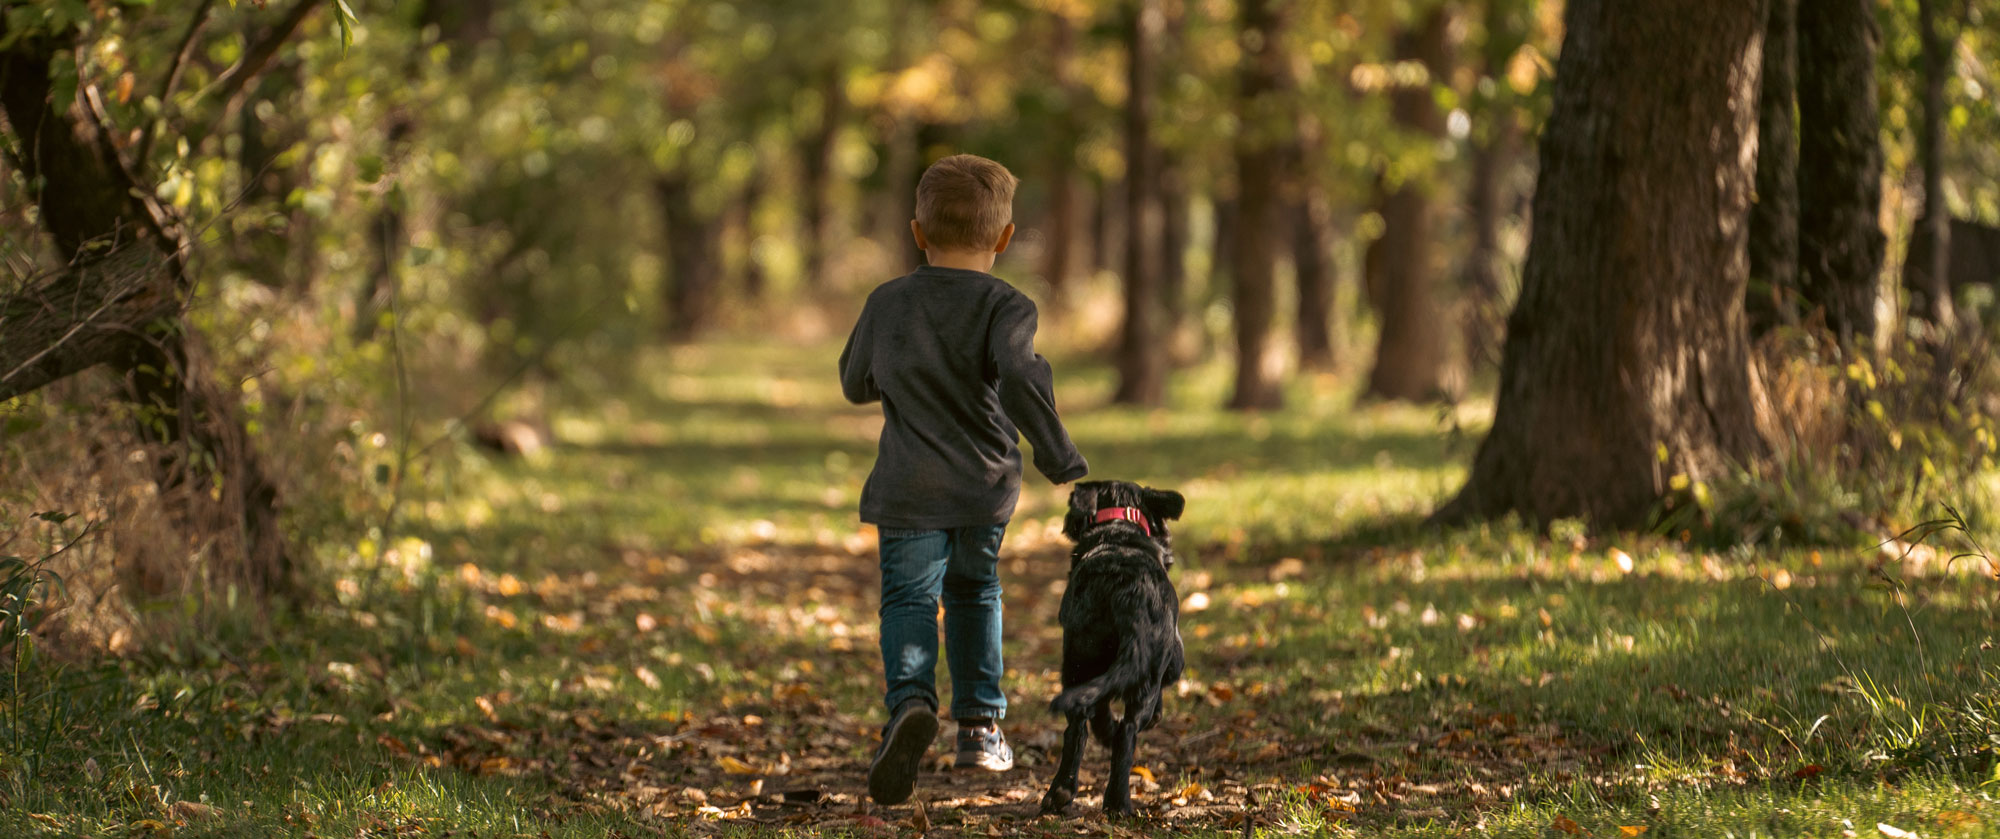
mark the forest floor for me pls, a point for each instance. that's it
(664, 624)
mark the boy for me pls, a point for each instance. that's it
(949, 350)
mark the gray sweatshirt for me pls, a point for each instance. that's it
(950, 353)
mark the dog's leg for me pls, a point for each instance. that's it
(1062, 788)
(1118, 790)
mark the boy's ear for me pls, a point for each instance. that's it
(1006, 236)
(917, 230)
(1082, 509)
(1164, 504)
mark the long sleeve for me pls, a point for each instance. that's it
(1027, 391)
(857, 382)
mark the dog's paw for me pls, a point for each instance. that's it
(1056, 801)
(1120, 809)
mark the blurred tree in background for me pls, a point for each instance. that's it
(283, 229)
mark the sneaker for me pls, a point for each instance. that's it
(982, 746)
(905, 740)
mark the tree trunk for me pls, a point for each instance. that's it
(747, 202)
(1493, 152)
(1259, 161)
(1840, 166)
(1142, 357)
(1927, 266)
(1626, 368)
(692, 275)
(819, 160)
(898, 200)
(119, 301)
(1412, 358)
(1774, 220)
(1109, 224)
(1175, 205)
(1059, 258)
(1312, 249)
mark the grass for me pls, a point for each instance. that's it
(666, 621)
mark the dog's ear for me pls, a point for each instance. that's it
(1083, 501)
(1163, 504)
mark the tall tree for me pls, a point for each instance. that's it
(1412, 356)
(693, 272)
(1626, 367)
(1927, 269)
(1317, 331)
(820, 146)
(1774, 220)
(1259, 165)
(120, 299)
(1494, 145)
(1142, 359)
(1840, 166)
(1059, 259)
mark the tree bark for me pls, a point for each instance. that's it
(1627, 364)
(1142, 357)
(119, 301)
(1259, 167)
(1312, 254)
(1840, 166)
(819, 159)
(692, 276)
(1927, 266)
(1175, 207)
(1773, 297)
(1059, 258)
(1493, 152)
(1412, 358)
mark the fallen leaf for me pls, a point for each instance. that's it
(192, 810)
(1631, 829)
(1143, 772)
(1563, 824)
(1956, 818)
(921, 821)
(1808, 771)
(735, 767)
(1622, 559)
(1894, 832)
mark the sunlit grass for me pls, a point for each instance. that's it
(689, 550)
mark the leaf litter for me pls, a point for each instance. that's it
(796, 624)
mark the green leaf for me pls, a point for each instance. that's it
(345, 17)
(62, 81)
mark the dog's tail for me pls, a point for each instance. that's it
(1127, 671)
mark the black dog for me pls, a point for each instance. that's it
(1121, 629)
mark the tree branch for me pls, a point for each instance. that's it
(258, 56)
(173, 78)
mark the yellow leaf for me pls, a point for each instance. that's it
(735, 767)
(1631, 829)
(1143, 772)
(192, 810)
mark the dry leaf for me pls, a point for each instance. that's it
(192, 810)
(736, 767)
(1143, 772)
(921, 822)
(1563, 824)
(1631, 829)
(1808, 771)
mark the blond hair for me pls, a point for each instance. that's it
(964, 201)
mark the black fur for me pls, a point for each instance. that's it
(1121, 632)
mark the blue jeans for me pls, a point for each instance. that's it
(962, 565)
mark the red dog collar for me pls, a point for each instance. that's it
(1130, 514)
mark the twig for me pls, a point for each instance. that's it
(173, 78)
(239, 75)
